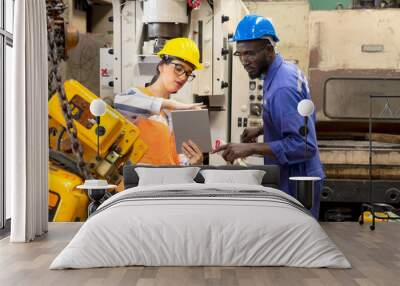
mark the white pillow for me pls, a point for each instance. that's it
(248, 177)
(166, 176)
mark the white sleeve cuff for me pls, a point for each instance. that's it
(156, 105)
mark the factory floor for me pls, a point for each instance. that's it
(374, 255)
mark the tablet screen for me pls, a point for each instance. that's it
(192, 125)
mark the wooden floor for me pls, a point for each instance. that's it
(375, 257)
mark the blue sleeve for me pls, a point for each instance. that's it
(287, 121)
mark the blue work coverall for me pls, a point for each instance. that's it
(284, 87)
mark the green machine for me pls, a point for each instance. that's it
(330, 4)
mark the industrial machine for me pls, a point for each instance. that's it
(346, 65)
(106, 73)
(247, 105)
(119, 142)
(74, 136)
(142, 27)
(353, 76)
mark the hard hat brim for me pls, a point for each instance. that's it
(197, 65)
(233, 39)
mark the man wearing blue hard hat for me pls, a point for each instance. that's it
(284, 87)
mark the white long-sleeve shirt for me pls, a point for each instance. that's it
(134, 102)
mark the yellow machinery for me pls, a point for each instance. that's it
(66, 203)
(118, 143)
(379, 216)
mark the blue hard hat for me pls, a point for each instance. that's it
(254, 27)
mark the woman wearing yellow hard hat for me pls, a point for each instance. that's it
(149, 106)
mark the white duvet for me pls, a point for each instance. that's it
(207, 230)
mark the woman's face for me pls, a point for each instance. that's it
(174, 75)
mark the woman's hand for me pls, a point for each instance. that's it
(176, 105)
(193, 152)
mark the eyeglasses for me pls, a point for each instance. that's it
(250, 55)
(179, 70)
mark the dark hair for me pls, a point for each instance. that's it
(165, 59)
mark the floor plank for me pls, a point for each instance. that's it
(375, 257)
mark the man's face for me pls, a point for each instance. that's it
(255, 56)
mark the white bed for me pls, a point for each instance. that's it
(201, 225)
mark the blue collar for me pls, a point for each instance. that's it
(274, 67)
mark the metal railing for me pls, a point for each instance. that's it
(374, 207)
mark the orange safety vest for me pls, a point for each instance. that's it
(159, 139)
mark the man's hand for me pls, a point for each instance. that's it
(250, 134)
(232, 151)
(176, 105)
(193, 152)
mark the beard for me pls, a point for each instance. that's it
(254, 75)
(260, 70)
(264, 68)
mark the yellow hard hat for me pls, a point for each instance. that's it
(183, 48)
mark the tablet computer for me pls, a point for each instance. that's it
(193, 125)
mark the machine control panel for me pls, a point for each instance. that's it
(247, 104)
(252, 85)
(254, 116)
(251, 109)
